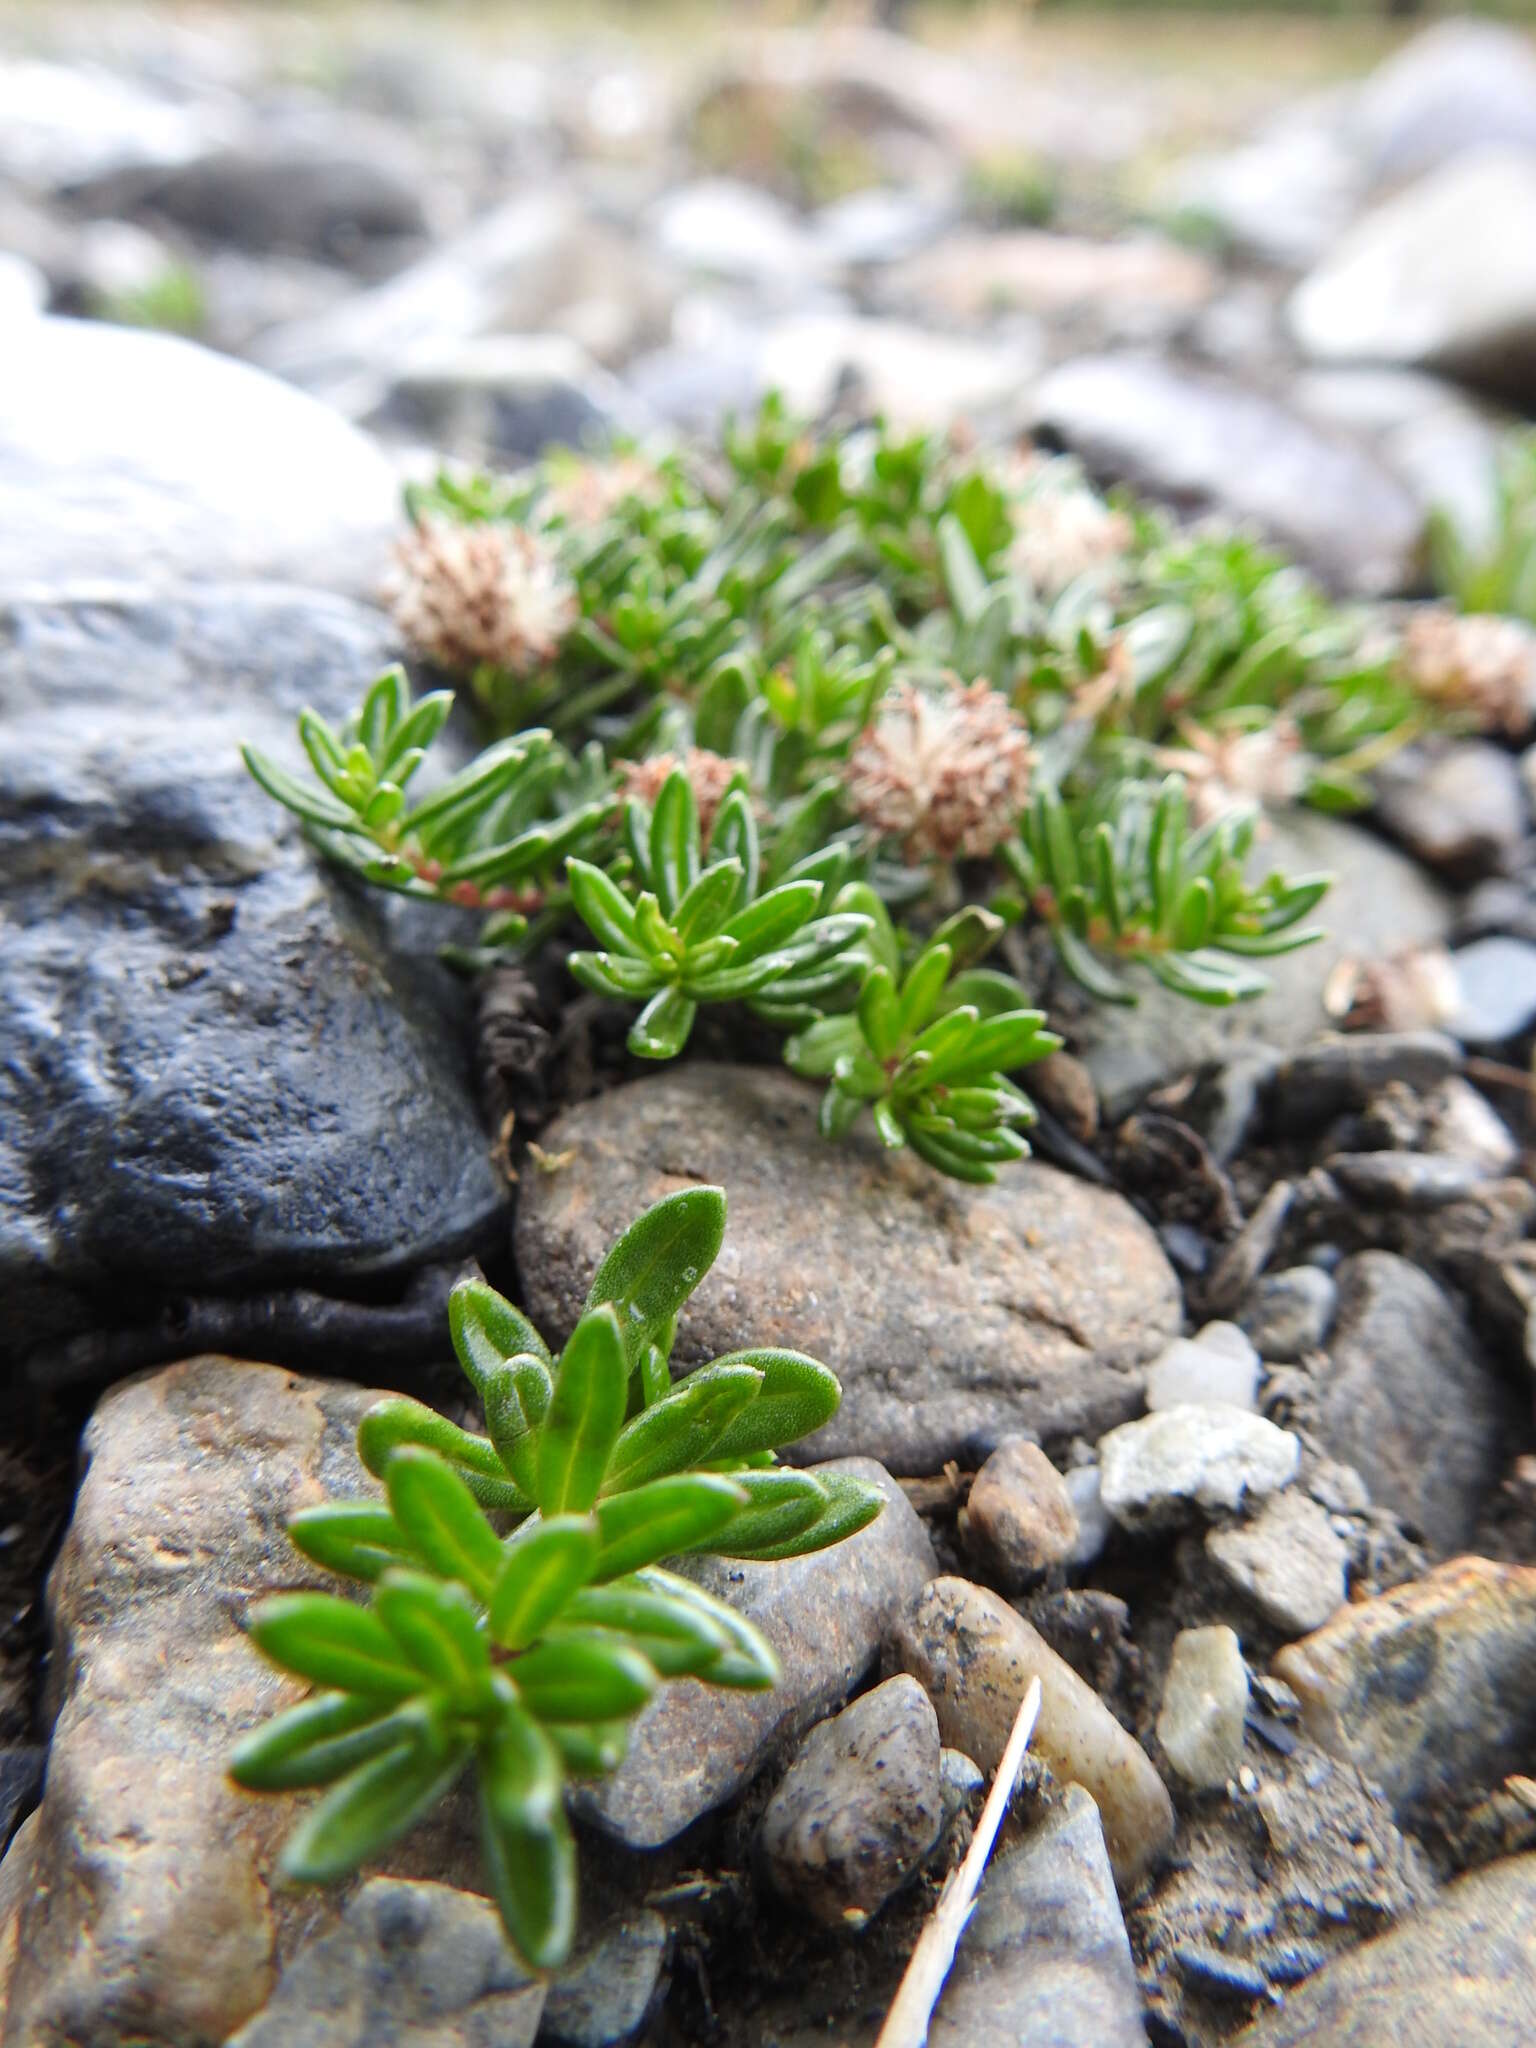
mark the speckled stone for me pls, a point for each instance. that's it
(954, 1316)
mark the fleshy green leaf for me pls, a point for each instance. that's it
(358, 1538)
(319, 1740)
(663, 1519)
(574, 1677)
(487, 1330)
(543, 1567)
(529, 1855)
(797, 1396)
(654, 1267)
(375, 1805)
(441, 1517)
(683, 1429)
(397, 1420)
(586, 1413)
(332, 1642)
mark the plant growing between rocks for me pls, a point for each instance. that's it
(802, 703)
(520, 1616)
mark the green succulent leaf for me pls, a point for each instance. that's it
(530, 1857)
(330, 1642)
(586, 1414)
(581, 1676)
(372, 1807)
(543, 1568)
(397, 1422)
(442, 1520)
(360, 1539)
(663, 1519)
(684, 1428)
(658, 1262)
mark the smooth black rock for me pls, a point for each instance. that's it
(228, 1069)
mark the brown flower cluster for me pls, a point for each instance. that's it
(709, 775)
(585, 493)
(1478, 663)
(470, 596)
(1229, 771)
(1063, 531)
(945, 772)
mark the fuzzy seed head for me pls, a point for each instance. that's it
(1229, 771)
(1479, 663)
(586, 493)
(709, 776)
(1063, 531)
(468, 596)
(945, 772)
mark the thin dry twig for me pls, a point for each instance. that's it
(906, 2024)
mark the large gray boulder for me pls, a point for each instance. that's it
(1440, 277)
(127, 454)
(1203, 443)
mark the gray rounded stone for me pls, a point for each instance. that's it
(953, 1315)
(129, 454)
(859, 1809)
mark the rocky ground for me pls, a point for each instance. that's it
(1216, 1416)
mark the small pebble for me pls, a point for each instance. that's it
(1019, 1520)
(1289, 1314)
(1219, 1364)
(1205, 1703)
(1212, 1970)
(859, 1808)
(1094, 1521)
(1287, 1560)
(1194, 1457)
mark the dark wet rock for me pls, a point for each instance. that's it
(137, 456)
(1456, 1976)
(1289, 1314)
(1409, 1399)
(1429, 1688)
(953, 1316)
(975, 1656)
(859, 1809)
(1457, 807)
(334, 201)
(1404, 1180)
(1019, 1519)
(410, 1966)
(1044, 1961)
(21, 1782)
(1379, 900)
(825, 1616)
(506, 399)
(141, 1897)
(1343, 1073)
(1288, 1560)
(1441, 276)
(226, 1073)
(1204, 444)
(604, 1993)
(1496, 985)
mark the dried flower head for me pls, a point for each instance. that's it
(1111, 692)
(709, 775)
(1478, 663)
(1230, 770)
(472, 595)
(1061, 531)
(585, 493)
(945, 772)
(1412, 990)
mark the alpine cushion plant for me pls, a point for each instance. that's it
(928, 1051)
(697, 932)
(823, 661)
(519, 1613)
